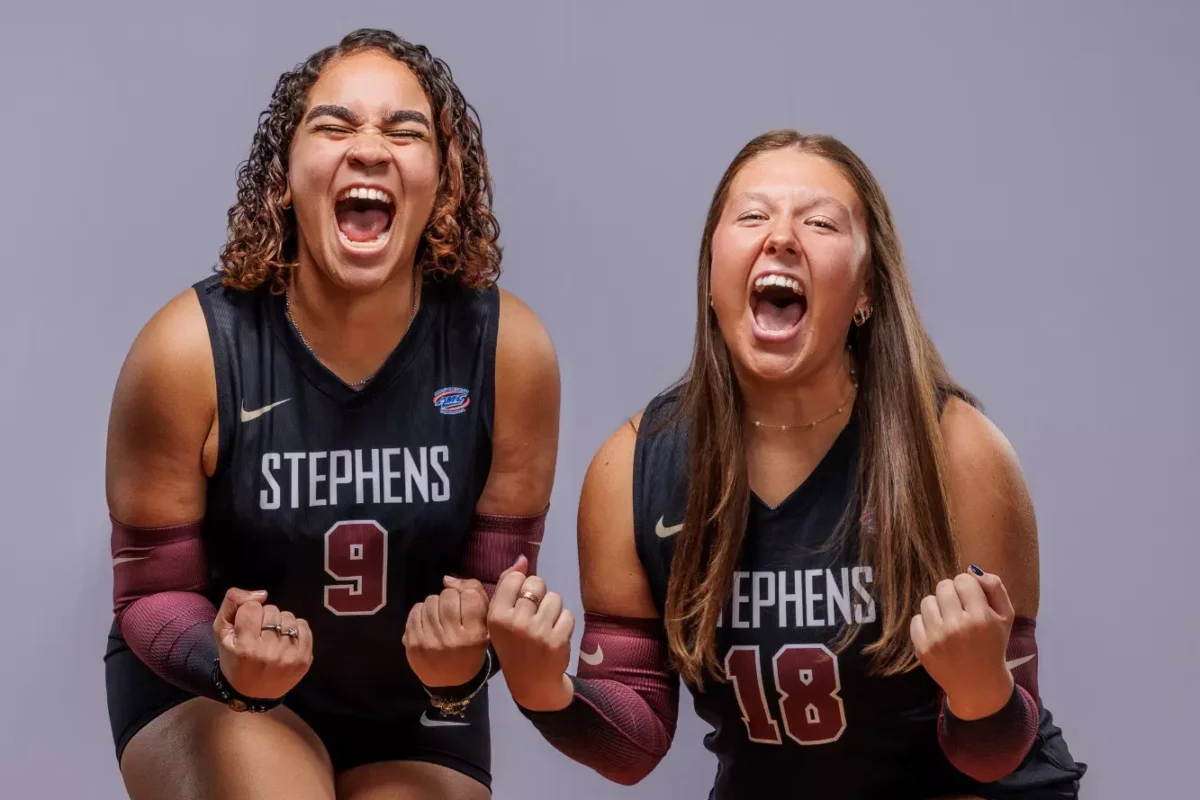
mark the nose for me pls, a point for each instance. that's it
(368, 152)
(782, 241)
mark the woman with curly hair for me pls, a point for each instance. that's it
(346, 431)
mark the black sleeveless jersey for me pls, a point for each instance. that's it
(348, 506)
(792, 715)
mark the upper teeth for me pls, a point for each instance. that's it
(363, 193)
(778, 280)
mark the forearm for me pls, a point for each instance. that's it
(621, 718)
(159, 575)
(496, 541)
(991, 748)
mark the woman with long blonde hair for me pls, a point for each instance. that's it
(817, 529)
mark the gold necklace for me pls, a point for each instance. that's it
(841, 407)
(364, 381)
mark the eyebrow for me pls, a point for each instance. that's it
(813, 201)
(350, 118)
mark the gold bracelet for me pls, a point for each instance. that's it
(457, 708)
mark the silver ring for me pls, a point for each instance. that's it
(292, 633)
(274, 626)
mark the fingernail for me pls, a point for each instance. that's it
(451, 579)
(977, 570)
(516, 561)
(259, 593)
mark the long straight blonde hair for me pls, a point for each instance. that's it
(900, 486)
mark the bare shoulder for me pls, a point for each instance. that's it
(993, 510)
(163, 409)
(612, 580)
(523, 345)
(525, 429)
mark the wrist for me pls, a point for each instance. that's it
(553, 695)
(227, 694)
(982, 700)
(466, 685)
(456, 690)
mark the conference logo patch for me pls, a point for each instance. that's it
(452, 400)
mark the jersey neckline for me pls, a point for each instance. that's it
(393, 366)
(839, 454)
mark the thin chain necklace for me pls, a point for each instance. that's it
(363, 382)
(841, 407)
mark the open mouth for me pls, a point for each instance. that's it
(777, 304)
(364, 217)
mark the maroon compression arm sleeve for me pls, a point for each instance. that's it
(158, 577)
(622, 718)
(495, 542)
(991, 748)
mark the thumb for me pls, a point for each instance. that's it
(993, 589)
(520, 565)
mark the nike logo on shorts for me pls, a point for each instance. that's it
(440, 723)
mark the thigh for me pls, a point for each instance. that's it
(201, 749)
(408, 780)
(172, 745)
(418, 755)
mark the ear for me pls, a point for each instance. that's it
(866, 295)
(287, 197)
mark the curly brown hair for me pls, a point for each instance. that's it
(460, 239)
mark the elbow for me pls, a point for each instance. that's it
(993, 764)
(990, 772)
(632, 773)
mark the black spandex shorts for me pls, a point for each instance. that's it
(136, 696)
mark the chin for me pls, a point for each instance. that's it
(358, 268)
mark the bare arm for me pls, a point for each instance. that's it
(161, 437)
(990, 715)
(620, 710)
(163, 415)
(989, 497)
(611, 578)
(510, 516)
(525, 432)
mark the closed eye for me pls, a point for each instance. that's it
(822, 223)
(754, 215)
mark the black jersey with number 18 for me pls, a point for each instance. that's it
(792, 715)
(348, 506)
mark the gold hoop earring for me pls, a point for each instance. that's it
(861, 315)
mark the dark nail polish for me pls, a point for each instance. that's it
(977, 570)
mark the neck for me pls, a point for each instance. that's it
(352, 333)
(798, 405)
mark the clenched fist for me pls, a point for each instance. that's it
(264, 651)
(446, 637)
(531, 632)
(961, 637)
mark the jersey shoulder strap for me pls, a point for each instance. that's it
(660, 467)
(236, 326)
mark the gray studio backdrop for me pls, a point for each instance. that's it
(1040, 159)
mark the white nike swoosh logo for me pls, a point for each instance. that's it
(127, 559)
(664, 532)
(593, 659)
(440, 723)
(1016, 662)
(250, 416)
